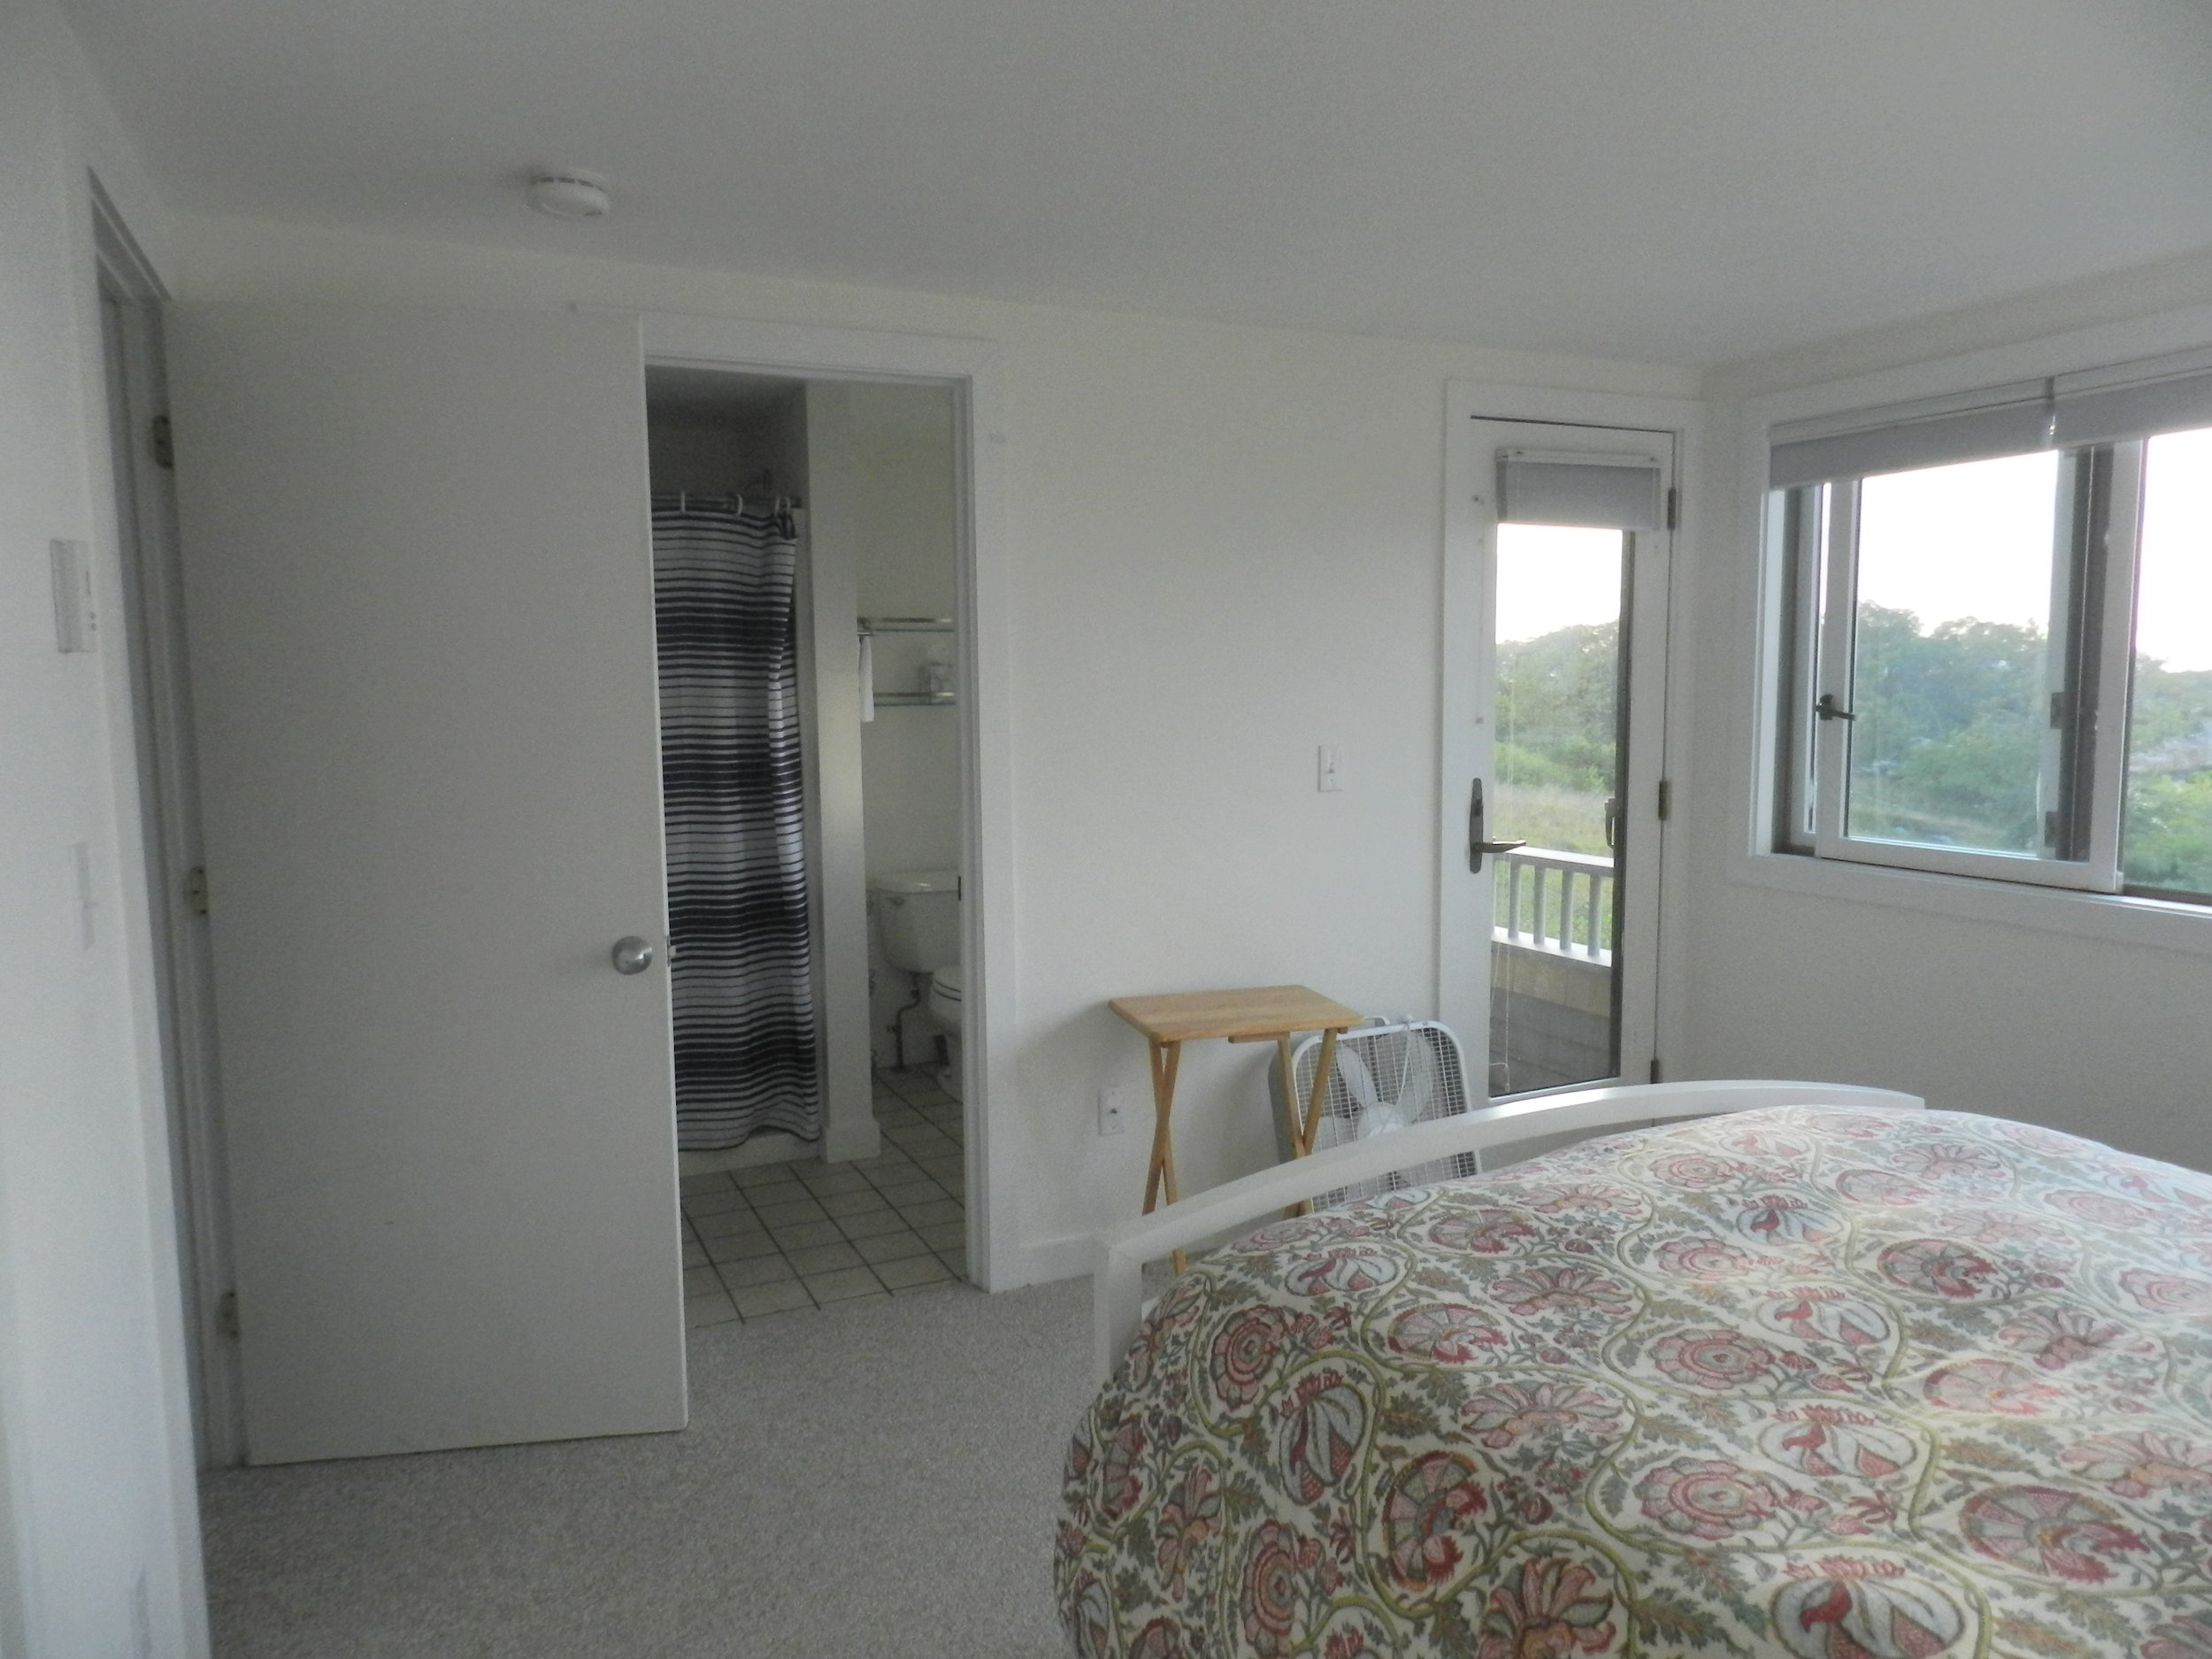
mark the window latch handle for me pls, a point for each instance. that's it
(1827, 709)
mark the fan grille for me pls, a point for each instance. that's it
(1387, 1064)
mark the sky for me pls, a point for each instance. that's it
(2173, 600)
(1975, 540)
(1553, 576)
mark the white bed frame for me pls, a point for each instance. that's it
(1118, 1285)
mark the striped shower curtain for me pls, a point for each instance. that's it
(725, 579)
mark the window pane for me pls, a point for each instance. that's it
(1557, 770)
(1558, 712)
(2166, 835)
(1952, 671)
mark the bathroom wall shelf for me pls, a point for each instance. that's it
(906, 624)
(913, 699)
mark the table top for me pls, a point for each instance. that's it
(1266, 1011)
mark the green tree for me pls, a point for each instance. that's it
(1556, 736)
(2166, 838)
(1948, 743)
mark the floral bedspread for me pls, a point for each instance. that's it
(1807, 1381)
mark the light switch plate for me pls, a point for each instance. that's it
(1329, 769)
(1112, 1115)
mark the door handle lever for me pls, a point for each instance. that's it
(1829, 708)
(1476, 845)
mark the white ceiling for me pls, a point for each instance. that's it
(1677, 181)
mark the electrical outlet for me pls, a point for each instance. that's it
(1111, 1118)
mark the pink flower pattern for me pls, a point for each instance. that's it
(1507, 1411)
(1803, 1383)
(1707, 1497)
(1713, 1359)
(2045, 1530)
(2137, 1465)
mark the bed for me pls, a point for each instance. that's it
(1826, 1376)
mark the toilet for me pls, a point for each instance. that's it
(917, 920)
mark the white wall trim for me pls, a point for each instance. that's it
(1743, 561)
(971, 367)
(1683, 419)
(105, 242)
(1071, 1255)
(2148, 923)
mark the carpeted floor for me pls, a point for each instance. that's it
(871, 1481)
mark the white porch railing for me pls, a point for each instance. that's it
(1561, 902)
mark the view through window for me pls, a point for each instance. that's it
(1976, 692)
(1557, 766)
(2166, 836)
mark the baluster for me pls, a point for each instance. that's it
(1536, 920)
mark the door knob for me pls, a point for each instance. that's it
(631, 954)
(1478, 844)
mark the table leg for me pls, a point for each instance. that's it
(1291, 1119)
(1159, 1175)
(1320, 1095)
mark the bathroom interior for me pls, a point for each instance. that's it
(806, 539)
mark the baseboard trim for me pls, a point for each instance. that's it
(1068, 1256)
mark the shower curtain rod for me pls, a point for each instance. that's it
(778, 505)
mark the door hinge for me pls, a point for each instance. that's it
(1674, 506)
(196, 889)
(1654, 1068)
(163, 438)
(1666, 799)
(226, 1314)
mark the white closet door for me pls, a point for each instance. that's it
(419, 602)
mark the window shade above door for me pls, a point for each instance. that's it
(1570, 487)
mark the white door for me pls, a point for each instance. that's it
(1555, 679)
(420, 607)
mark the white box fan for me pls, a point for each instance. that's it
(1385, 1077)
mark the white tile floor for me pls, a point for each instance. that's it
(784, 1237)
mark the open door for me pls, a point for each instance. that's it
(1555, 679)
(418, 599)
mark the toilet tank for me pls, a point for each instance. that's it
(917, 918)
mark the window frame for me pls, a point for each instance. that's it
(2096, 504)
(1779, 848)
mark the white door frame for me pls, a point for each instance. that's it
(970, 368)
(1652, 1023)
(169, 807)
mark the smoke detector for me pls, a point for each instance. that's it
(569, 194)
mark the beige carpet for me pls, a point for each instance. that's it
(864, 1482)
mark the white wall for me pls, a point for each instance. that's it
(95, 1475)
(2043, 1022)
(1226, 546)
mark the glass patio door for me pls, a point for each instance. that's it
(1554, 684)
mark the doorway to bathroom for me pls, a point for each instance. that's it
(807, 554)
